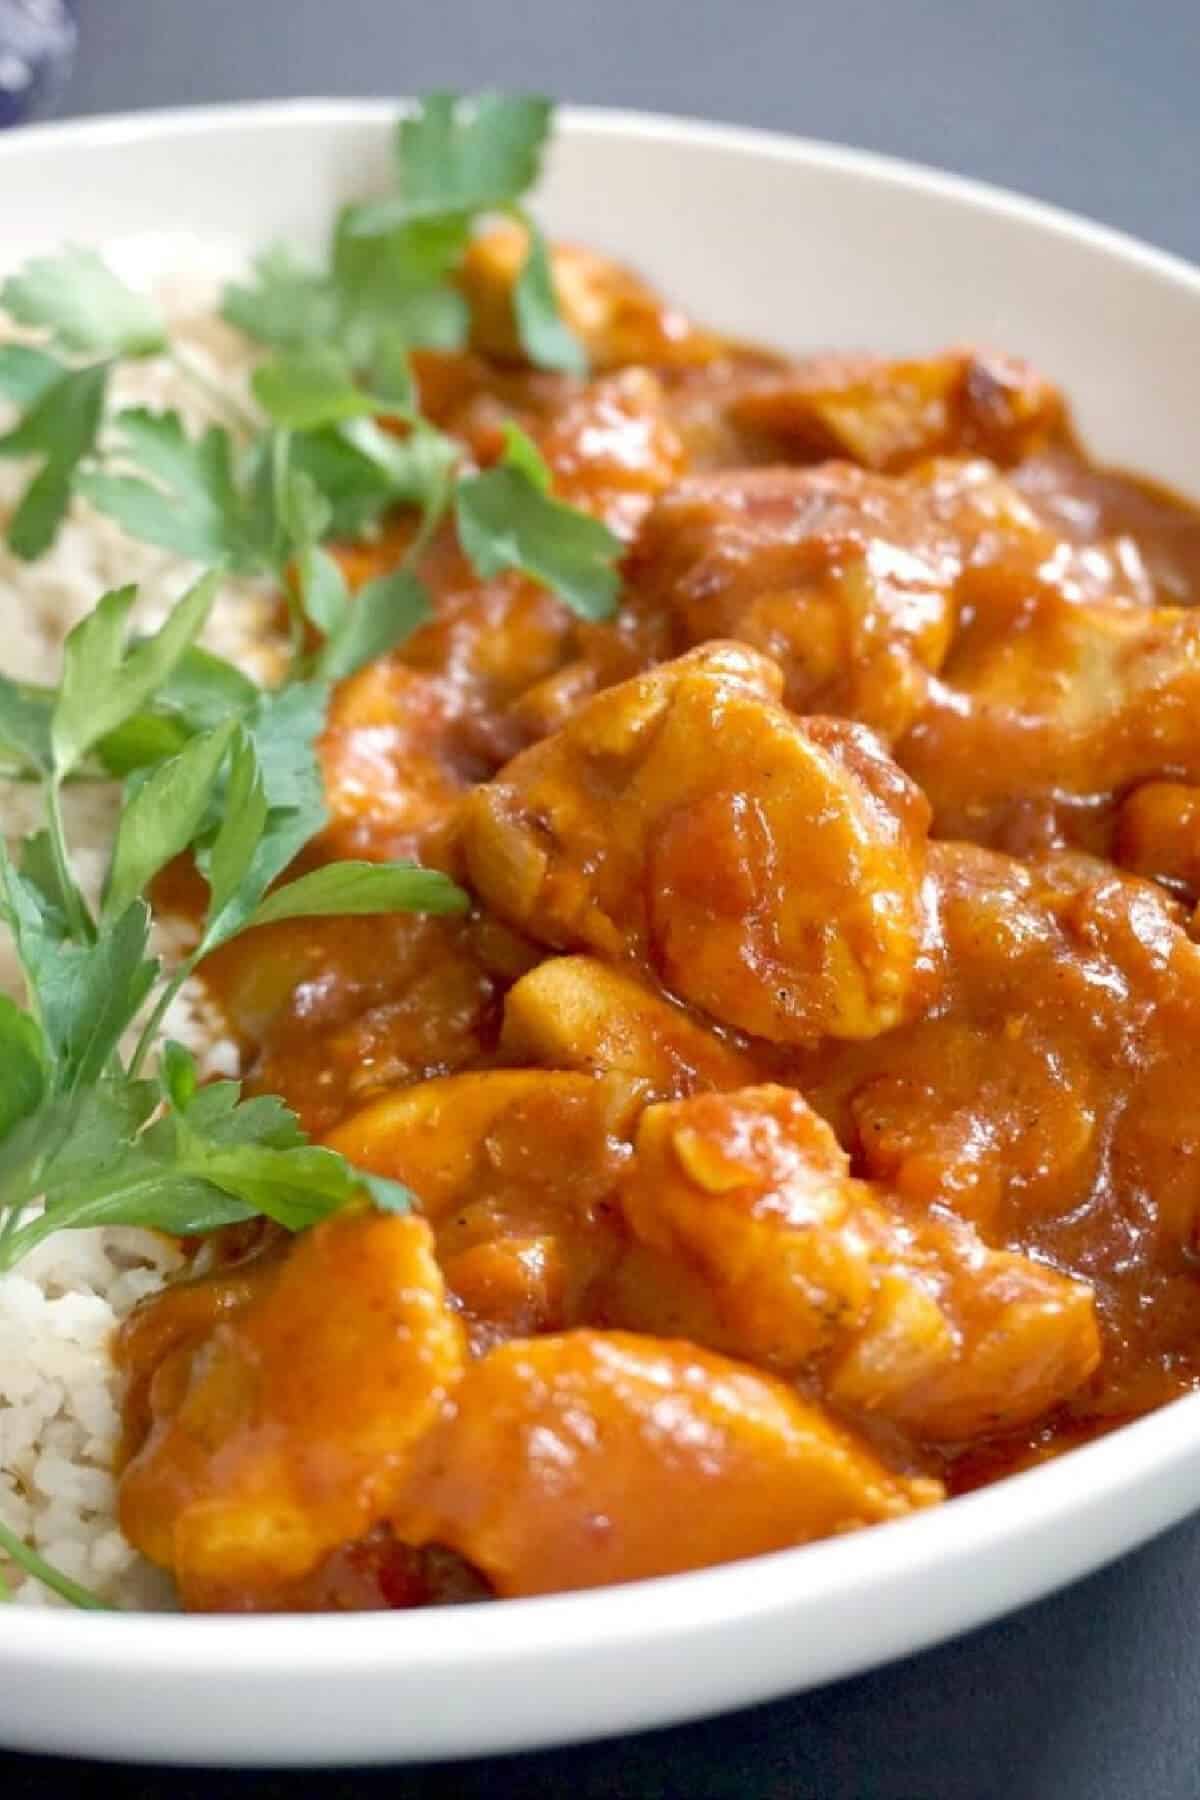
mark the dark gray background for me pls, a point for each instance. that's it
(1093, 1695)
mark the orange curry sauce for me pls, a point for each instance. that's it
(804, 1119)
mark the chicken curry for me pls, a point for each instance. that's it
(799, 1122)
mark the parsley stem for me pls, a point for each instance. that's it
(25, 1557)
(213, 392)
(434, 510)
(10, 1219)
(159, 1012)
(77, 916)
(77, 777)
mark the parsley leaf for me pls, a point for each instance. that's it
(344, 888)
(84, 994)
(309, 387)
(507, 519)
(25, 723)
(72, 1139)
(431, 317)
(76, 298)
(324, 594)
(362, 470)
(25, 373)
(545, 339)
(253, 1152)
(382, 614)
(39, 868)
(287, 304)
(103, 683)
(458, 156)
(162, 817)
(60, 427)
(189, 502)
(212, 765)
(202, 691)
(281, 733)
(227, 861)
(209, 1159)
(284, 726)
(143, 740)
(390, 372)
(418, 467)
(23, 1059)
(356, 483)
(389, 1196)
(395, 282)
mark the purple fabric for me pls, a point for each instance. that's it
(37, 43)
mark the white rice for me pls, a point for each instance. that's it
(59, 1400)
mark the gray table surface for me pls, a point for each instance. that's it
(1094, 1694)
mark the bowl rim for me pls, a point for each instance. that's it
(199, 119)
(1090, 1481)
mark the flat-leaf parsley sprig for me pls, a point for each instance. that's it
(392, 259)
(316, 462)
(87, 1136)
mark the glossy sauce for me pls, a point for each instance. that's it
(803, 1120)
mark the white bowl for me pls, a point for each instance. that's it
(803, 246)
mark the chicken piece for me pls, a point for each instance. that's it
(963, 1342)
(703, 401)
(847, 579)
(573, 1012)
(889, 415)
(329, 1012)
(1158, 835)
(1048, 711)
(1048, 1097)
(912, 1318)
(506, 1159)
(608, 654)
(613, 450)
(395, 766)
(618, 319)
(591, 1458)
(992, 1105)
(180, 1317)
(408, 734)
(753, 1189)
(373, 1574)
(288, 1430)
(512, 1287)
(769, 870)
(513, 1140)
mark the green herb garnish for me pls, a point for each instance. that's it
(86, 1138)
(340, 339)
(23, 1556)
(508, 519)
